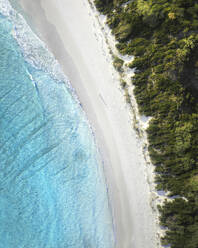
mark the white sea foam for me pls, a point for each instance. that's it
(34, 50)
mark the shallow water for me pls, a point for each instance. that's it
(52, 187)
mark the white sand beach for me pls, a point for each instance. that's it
(72, 34)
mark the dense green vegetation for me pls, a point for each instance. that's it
(118, 63)
(163, 36)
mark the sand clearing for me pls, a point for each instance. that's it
(75, 38)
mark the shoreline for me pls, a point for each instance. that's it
(138, 122)
(110, 120)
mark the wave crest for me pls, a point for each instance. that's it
(34, 50)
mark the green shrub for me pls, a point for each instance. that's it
(163, 36)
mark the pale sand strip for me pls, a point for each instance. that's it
(72, 34)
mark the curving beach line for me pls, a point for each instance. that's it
(73, 35)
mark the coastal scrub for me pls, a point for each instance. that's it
(163, 37)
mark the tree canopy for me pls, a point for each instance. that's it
(163, 37)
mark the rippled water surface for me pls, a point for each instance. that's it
(52, 189)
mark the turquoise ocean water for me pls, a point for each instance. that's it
(52, 187)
